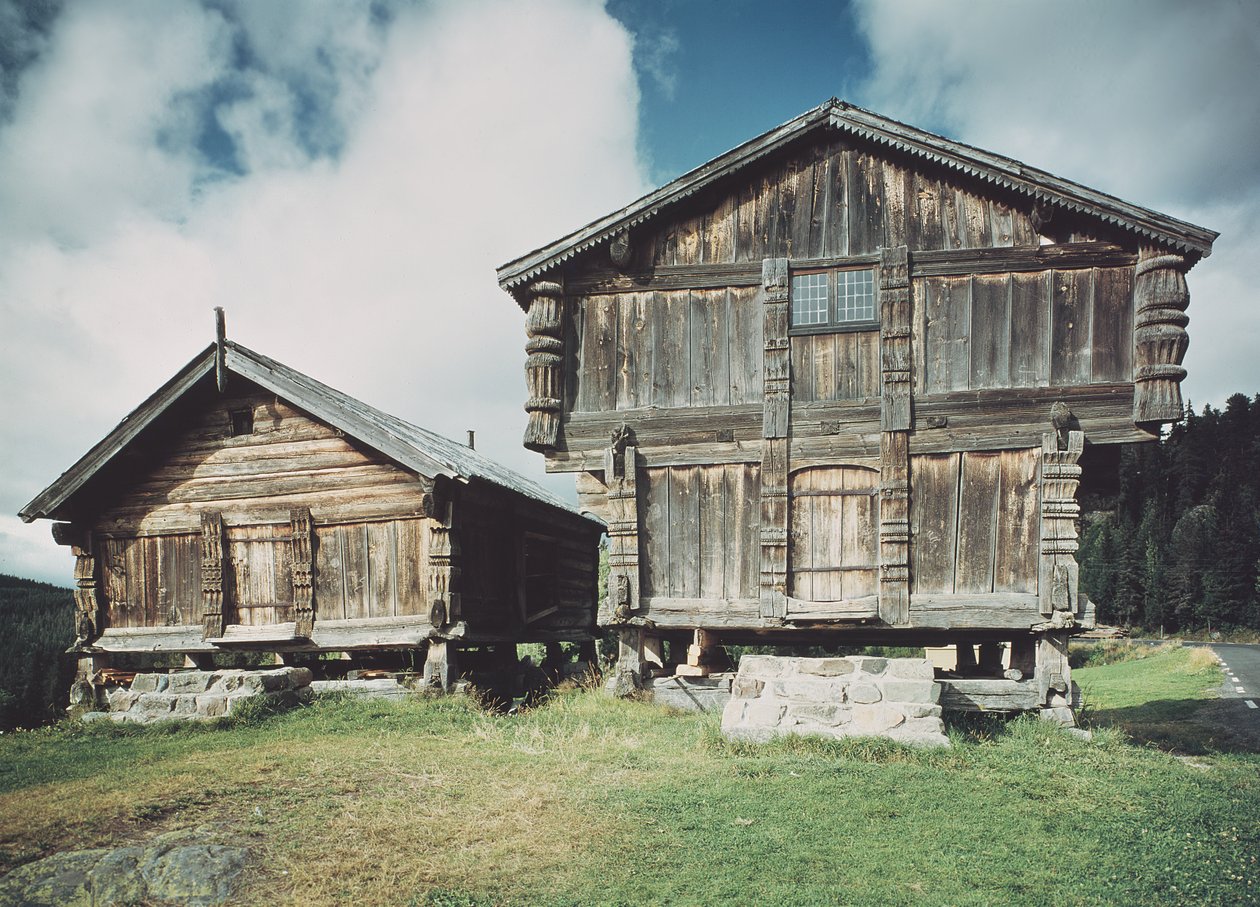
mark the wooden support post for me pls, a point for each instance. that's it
(1058, 571)
(704, 656)
(653, 652)
(776, 415)
(444, 571)
(965, 662)
(627, 673)
(1054, 676)
(621, 469)
(990, 658)
(544, 365)
(212, 570)
(89, 616)
(441, 665)
(1160, 297)
(895, 422)
(85, 694)
(302, 572)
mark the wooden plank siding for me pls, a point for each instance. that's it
(833, 538)
(697, 526)
(974, 522)
(1059, 328)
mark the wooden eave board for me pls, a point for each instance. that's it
(414, 448)
(846, 118)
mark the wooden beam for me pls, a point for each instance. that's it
(776, 416)
(977, 695)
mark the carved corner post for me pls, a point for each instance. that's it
(894, 448)
(89, 613)
(441, 664)
(212, 571)
(1160, 298)
(776, 295)
(1058, 573)
(621, 467)
(544, 364)
(303, 570)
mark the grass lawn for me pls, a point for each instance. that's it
(593, 801)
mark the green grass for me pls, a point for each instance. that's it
(594, 801)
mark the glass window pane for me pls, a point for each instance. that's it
(855, 296)
(809, 299)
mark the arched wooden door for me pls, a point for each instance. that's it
(833, 544)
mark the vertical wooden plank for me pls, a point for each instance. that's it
(690, 234)
(597, 382)
(952, 217)
(710, 348)
(746, 345)
(977, 517)
(866, 204)
(654, 532)
(820, 204)
(977, 232)
(832, 533)
(713, 542)
(382, 545)
(928, 232)
(837, 236)
(1022, 232)
(849, 370)
(802, 353)
(1030, 328)
(670, 315)
(718, 246)
(898, 195)
(934, 522)
(948, 306)
(861, 541)
(330, 601)
(1003, 221)
(801, 534)
(635, 350)
(1018, 533)
(867, 349)
(355, 569)
(1111, 356)
(409, 577)
(797, 204)
(1070, 343)
(824, 383)
(990, 332)
(747, 245)
(684, 547)
(748, 527)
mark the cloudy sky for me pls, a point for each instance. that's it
(344, 177)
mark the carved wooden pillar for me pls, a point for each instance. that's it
(444, 585)
(621, 468)
(1160, 298)
(1058, 571)
(441, 664)
(776, 415)
(88, 619)
(303, 568)
(894, 471)
(212, 575)
(544, 365)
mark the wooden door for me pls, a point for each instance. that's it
(833, 541)
(261, 587)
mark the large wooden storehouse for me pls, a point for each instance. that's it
(246, 505)
(838, 385)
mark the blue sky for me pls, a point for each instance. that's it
(344, 177)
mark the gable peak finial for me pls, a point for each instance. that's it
(220, 349)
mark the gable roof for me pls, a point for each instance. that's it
(841, 116)
(412, 447)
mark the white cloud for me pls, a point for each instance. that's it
(359, 245)
(1152, 101)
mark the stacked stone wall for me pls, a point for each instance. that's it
(201, 695)
(835, 697)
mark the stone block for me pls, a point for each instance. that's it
(865, 693)
(154, 705)
(212, 705)
(185, 705)
(121, 700)
(763, 666)
(869, 665)
(920, 710)
(808, 689)
(190, 681)
(876, 719)
(766, 711)
(826, 667)
(746, 687)
(828, 715)
(692, 694)
(912, 690)
(911, 668)
(300, 677)
(149, 683)
(924, 726)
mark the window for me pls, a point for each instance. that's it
(242, 421)
(834, 300)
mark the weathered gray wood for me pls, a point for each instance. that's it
(710, 349)
(713, 613)
(980, 695)
(212, 574)
(1058, 570)
(1111, 355)
(597, 381)
(1070, 332)
(895, 316)
(894, 527)
(1018, 523)
(544, 365)
(990, 332)
(977, 518)
(858, 609)
(994, 611)
(934, 522)
(1160, 297)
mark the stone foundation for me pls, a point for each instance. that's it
(201, 695)
(693, 694)
(860, 696)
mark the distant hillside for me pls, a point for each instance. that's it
(36, 627)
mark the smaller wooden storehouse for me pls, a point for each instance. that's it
(246, 505)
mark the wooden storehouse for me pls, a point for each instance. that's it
(838, 385)
(246, 505)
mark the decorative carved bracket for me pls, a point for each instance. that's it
(212, 574)
(444, 571)
(894, 337)
(620, 252)
(544, 364)
(776, 296)
(1160, 298)
(88, 616)
(303, 570)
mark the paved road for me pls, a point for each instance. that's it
(1242, 674)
